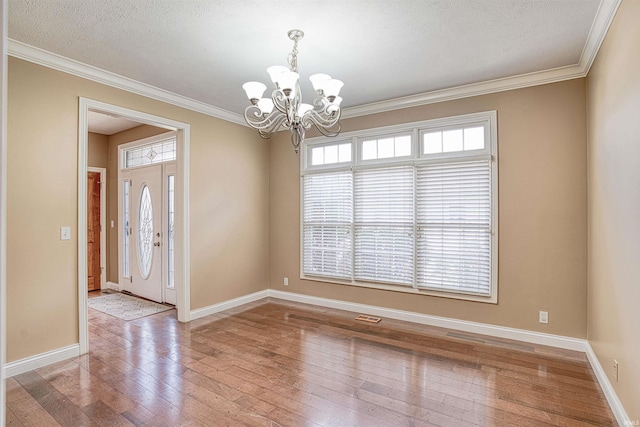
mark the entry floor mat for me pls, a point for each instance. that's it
(126, 307)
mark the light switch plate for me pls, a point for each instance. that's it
(65, 233)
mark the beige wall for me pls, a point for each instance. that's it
(98, 150)
(613, 107)
(542, 209)
(228, 211)
(130, 135)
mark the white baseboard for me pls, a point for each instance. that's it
(44, 359)
(225, 305)
(607, 388)
(114, 286)
(38, 361)
(478, 328)
(443, 322)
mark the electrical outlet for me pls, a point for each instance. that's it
(616, 370)
(543, 317)
(286, 281)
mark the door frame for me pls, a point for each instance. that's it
(183, 295)
(103, 224)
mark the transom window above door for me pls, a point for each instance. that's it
(158, 151)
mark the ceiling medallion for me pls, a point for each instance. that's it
(285, 108)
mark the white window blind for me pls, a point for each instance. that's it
(454, 227)
(384, 221)
(414, 208)
(327, 218)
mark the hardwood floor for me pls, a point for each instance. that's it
(274, 363)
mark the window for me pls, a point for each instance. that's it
(327, 224)
(170, 231)
(156, 152)
(126, 225)
(386, 147)
(330, 154)
(384, 225)
(412, 208)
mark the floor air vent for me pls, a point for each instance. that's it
(370, 319)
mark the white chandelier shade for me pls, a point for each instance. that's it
(285, 109)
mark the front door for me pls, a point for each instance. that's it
(146, 232)
(93, 231)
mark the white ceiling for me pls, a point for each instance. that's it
(204, 50)
(107, 124)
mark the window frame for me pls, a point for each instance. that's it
(487, 119)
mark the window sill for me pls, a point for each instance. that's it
(493, 299)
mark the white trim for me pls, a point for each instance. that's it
(183, 228)
(467, 91)
(57, 62)
(607, 388)
(226, 305)
(103, 223)
(182, 207)
(113, 285)
(598, 31)
(40, 360)
(606, 12)
(436, 123)
(83, 287)
(443, 322)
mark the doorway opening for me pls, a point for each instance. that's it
(96, 230)
(179, 171)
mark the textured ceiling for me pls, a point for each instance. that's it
(106, 124)
(206, 49)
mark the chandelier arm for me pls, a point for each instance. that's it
(326, 127)
(323, 107)
(266, 125)
(274, 127)
(279, 100)
(320, 103)
(323, 119)
(254, 118)
(330, 132)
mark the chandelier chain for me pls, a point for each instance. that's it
(293, 57)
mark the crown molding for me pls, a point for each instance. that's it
(597, 33)
(604, 17)
(466, 91)
(60, 63)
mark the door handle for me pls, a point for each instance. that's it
(156, 244)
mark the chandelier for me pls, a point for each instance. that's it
(285, 108)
